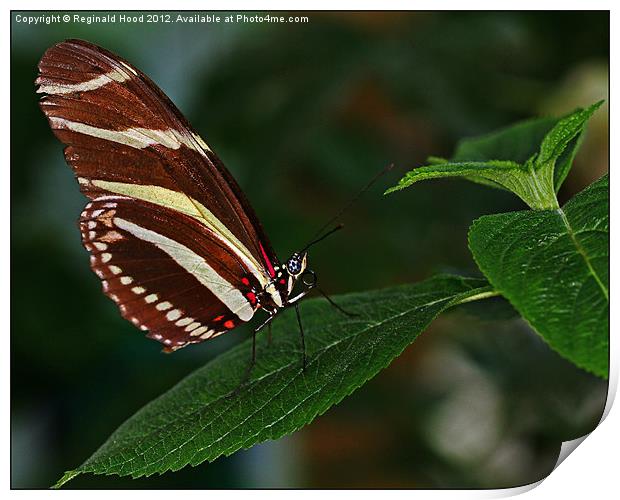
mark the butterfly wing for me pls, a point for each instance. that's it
(124, 138)
(166, 272)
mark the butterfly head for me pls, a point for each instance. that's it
(296, 267)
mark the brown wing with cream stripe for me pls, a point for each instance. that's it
(158, 266)
(125, 137)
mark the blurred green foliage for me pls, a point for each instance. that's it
(303, 115)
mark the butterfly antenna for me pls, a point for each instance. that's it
(337, 228)
(347, 206)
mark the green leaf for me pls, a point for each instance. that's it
(556, 142)
(530, 159)
(202, 417)
(517, 143)
(533, 189)
(553, 266)
(549, 140)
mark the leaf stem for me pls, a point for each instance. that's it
(541, 187)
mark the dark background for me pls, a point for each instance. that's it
(303, 115)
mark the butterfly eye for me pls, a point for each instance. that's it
(293, 266)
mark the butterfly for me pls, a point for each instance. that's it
(172, 237)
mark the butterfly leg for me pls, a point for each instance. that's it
(248, 370)
(301, 332)
(267, 323)
(269, 334)
(253, 361)
(343, 311)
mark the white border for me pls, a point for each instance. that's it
(590, 472)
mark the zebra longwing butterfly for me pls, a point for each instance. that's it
(171, 235)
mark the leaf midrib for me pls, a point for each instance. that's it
(583, 253)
